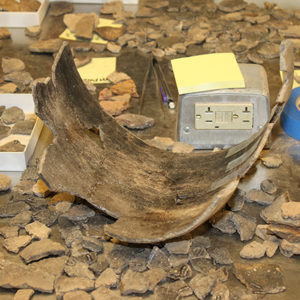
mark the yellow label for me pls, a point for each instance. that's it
(98, 69)
(207, 72)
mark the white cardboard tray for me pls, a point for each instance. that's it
(96, 1)
(24, 19)
(17, 161)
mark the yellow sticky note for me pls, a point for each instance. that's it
(98, 69)
(296, 73)
(68, 35)
(207, 72)
(108, 23)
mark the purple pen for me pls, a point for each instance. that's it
(164, 96)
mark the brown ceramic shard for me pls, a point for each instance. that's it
(13, 146)
(109, 33)
(260, 278)
(120, 174)
(84, 27)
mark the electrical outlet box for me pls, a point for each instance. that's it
(217, 116)
(223, 118)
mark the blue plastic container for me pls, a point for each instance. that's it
(290, 117)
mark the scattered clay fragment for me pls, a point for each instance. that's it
(110, 33)
(38, 230)
(244, 225)
(234, 17)
(4, 131)
(125, 87)
(59, 197)
(107, 278)
(46, 46)
(125, 38)
(220, 291)
(253, 250)
(220, 256)
(14, 244)
(78, 268)
(81, 62)
(70, 20)
(8, 88)
(13, 146)
(98, 48)
(12, 65)
(115, 107)
(21, 276)
(237, 201)
(271, 161)
(158, 52)
(170, 51)
(66, 284)
(259, 197)
(179, 48)
(23, 294)
(144, 12)
(164, 143)
(291, 32)
(84, 27)
(62, 207)
(260, 278)
(229, 6)
(82, 47)
(269, 50)
(113, 48)
(253, 57)
(116, 77)
(289, 249)
(158, 259)
(21, 219)
(268, 186)
(272, 214)
(9, 231)
(78, 213)
(180, 147)
(19, 77)
(33, 31)
(4, 33)
(77, 295)
(222, 220)
(24, 187)
(139, 283)
(157, 4)
(178, 247)
(271, 248)
(202, 285)
(40, 189)
(147, 47)
(5, 182)
(23, 127)
(291, 210)
(41, 249)
(132, 44)
(111, 7)
(134, 121)
(60, 8)
(105, 94)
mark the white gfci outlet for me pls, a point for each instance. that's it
(223, 116)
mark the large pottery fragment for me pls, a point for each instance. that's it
(154, 194)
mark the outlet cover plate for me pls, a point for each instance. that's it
(223, 116)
